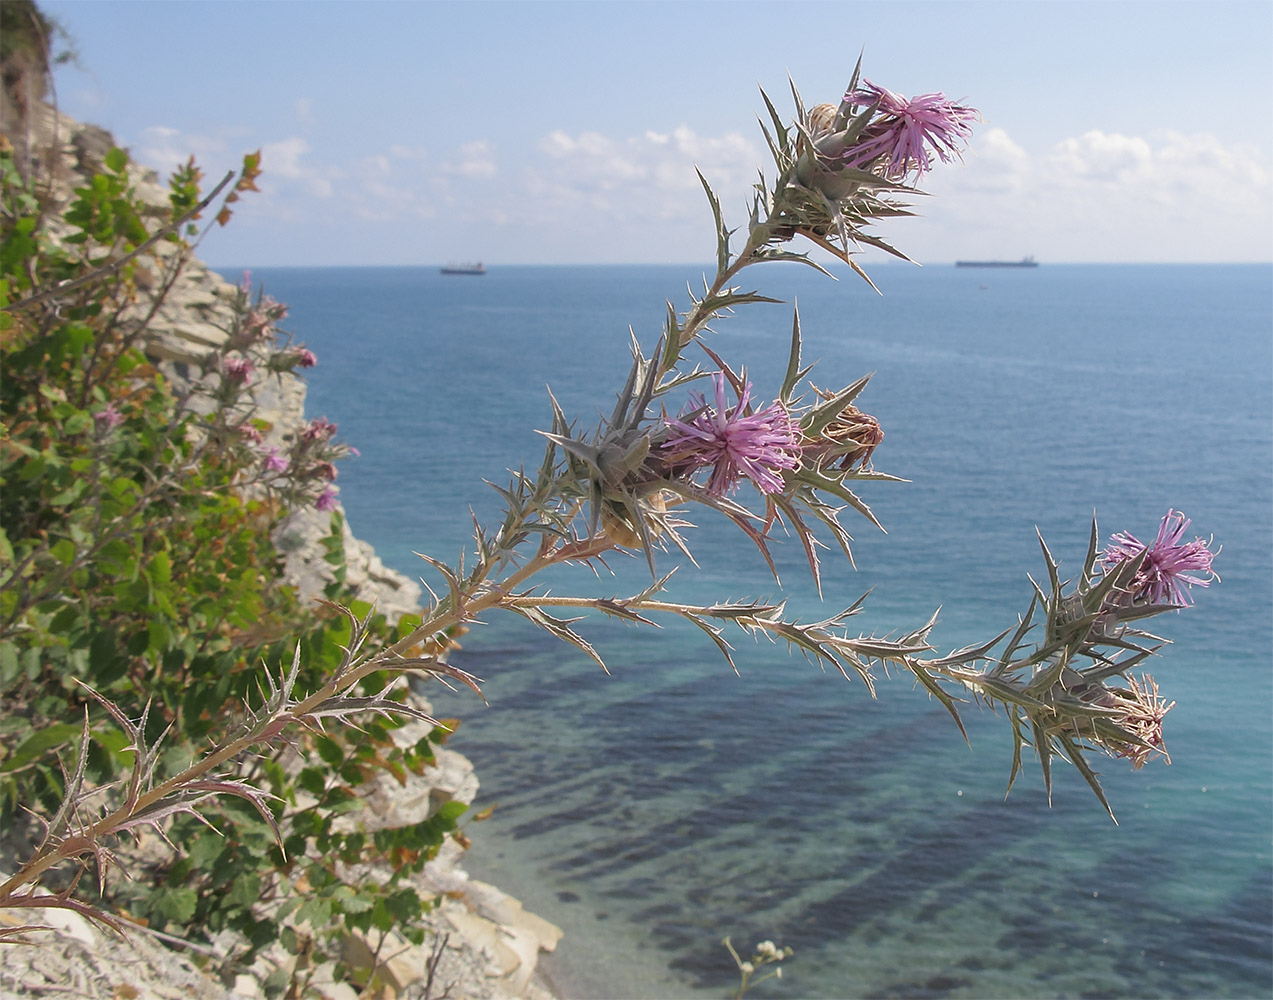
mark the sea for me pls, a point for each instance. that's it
(655, 810)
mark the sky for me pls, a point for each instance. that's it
(551, 132)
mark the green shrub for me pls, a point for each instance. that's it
(140, 588)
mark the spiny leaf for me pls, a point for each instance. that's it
(1075, 753)
(714, 633)
(561, 629)
(1093, 548)
(1018, 741)
(941, 695)
(780, 127)
(794, 372)
(722, 234)
(1043, 747)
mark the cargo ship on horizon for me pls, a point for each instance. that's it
(1023, 262)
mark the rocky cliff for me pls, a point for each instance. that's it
(484, 944)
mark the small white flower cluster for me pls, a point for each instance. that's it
(766, 953)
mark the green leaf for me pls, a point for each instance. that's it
(205, 849)
(451, 811)
(39, 743)
(116, 160)
(78, 422)
(177, 905)
(330, 751)
(159, 569)
(356, 903)
(245, 890)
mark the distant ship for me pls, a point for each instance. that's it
(477, 268)
(1023, 262)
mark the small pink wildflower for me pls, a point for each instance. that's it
(274, 461)
(319, 429)
(757, 446)
(250, 433)
(238, 370)
(273, 309)
(305, 358)
(108, 418)
(255, 325)
(1165, 574)
(326, 500)
(906, 130)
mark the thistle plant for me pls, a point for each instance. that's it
(687, 432)
(629, 482)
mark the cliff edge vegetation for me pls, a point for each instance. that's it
(170, 540)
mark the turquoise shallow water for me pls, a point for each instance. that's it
(653, 811)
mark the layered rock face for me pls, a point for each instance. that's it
(484, 944)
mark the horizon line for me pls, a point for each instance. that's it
(710, 265)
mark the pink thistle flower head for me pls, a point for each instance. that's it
(1170, 566)
(275, 461)
(907, 132)
(305, 358)
(736, 444)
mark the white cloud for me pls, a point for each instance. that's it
(1099, 195)
(164, 149)
(1000, 164)
(1109, 196)
(650, 176)
(285, 159)
(400, 152)
(1102, 158)
(473, 159)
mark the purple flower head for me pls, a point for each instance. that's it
(326, 500)
(1164, 575)
(757, 447)
(238, 370)
(274, 461)
(108, 418)
(319, 429)
(304, 358)
(905, 131)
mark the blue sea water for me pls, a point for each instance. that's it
(656, 810)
